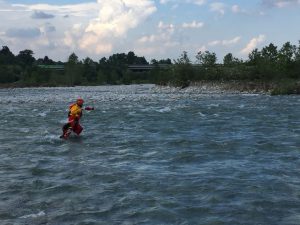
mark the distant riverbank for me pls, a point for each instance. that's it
(283, 87)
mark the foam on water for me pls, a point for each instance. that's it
(165, 109)
(41, 213)
(43, 114)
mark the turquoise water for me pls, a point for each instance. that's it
(149, 156)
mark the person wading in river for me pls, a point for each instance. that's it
(74, 115)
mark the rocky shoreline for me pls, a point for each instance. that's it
(208, 87)
(237, 87)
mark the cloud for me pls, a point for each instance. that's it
(202, 48)
(225, 42)
(193, 24)
(196, 2)
(166, 27)
(23, 32)
(237, 9)
(165, 32)
(79, 10)
(41, 15)
(218, 7)
(115, 19)
(254, 42)
(47, 28)
(158, 43)
(163, 2)
(280, 3)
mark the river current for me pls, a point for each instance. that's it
(149, 155)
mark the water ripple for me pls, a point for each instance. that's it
(149, 156)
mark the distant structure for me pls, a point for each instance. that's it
(52, 67)
(147, 67)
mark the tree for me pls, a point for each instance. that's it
(73, 59)
(229, 60)
(131, 58)
(184, 59)
(153, 61)
(73, 70)
(26, 58)
(165, 61)
(255, 57)
(6, 56)
(287, 60)
(287, 53)
(270, 53)
(89, 70)
(183, 70)
(103, 61)
(297, 53)
(206, 58)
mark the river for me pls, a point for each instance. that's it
(149, 155)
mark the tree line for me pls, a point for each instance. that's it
(269, 64)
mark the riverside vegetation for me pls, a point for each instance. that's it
(271, 69)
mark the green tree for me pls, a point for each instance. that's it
(183, 70)
(153, 61)
(26, 58)
(89, 70)
(183, 60)
(6, 56)
(131, 58)
(297, 53)
(255, 57)
(229, 60)
(73, 70)
(206, 58)
(73, 59)
(270, 53)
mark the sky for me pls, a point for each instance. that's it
(155, 29)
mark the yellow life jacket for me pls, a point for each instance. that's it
(75, 110)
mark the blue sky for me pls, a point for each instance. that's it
(157, 29)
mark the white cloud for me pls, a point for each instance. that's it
(214, 43)
(196, 2)
(166, 27)
(193, 24)
(236, 9)
(115, 19)
(47, 28)
(254, 42)
(218, 7)
(165, 32)
(232, 41)
(202, 48)
(225, 42)
(280, 3)
(75, 10)
(164, 1)
(103, 25)
(158, 43)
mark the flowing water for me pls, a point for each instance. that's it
(149, 155)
